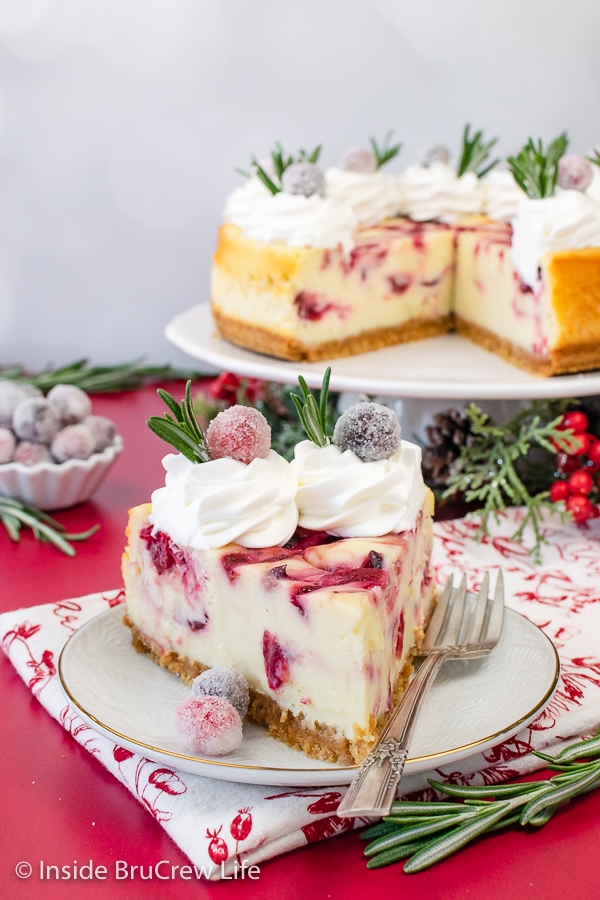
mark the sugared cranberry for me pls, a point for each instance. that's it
(239, 432)
(574, 172)
(303, 178)
(370, 430)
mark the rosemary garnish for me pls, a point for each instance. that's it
(281, 161)
(475, 154)
(314, 416)
(182, 430)
(386, 152)
(487, 469)
(97, 379)
(536, 170)
(425, 832)
(16, 515)
(594, 156)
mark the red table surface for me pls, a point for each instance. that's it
(61, 807)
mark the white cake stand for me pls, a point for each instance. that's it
(423, 377)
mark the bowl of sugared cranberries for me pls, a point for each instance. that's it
(54, 452)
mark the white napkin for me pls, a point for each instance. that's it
(221, 826)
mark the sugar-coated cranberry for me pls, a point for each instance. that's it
(209, 725)
(559, 490)
(72, 403)
(574, 172)
(7, 444)
(303, 178)
(358, 159)
(370, 430)
(72, 442)
(240, 432)
(11, 394)
(30, 453)
(575, 421)
(221, 681)
(437, 154)
(580, 508)
(35, 419)
(103, 431)
(580, 482)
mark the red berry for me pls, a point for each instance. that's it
(559, 491)
(566, 464)
(580, 508)
(575, 421)
(580, 482)
(594, 512)
(593, 453)
(239, 432)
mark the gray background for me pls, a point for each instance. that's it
(122, 123)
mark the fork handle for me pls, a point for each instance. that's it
(374, 787)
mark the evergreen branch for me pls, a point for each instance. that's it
(475, 154)
(98, 379)
(282, 161)
(314, 416)
(594, 157)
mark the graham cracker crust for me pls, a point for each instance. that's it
(317, 741)
(261, 340)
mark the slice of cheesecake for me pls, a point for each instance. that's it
(323, 629)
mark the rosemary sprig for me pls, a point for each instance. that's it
(182, 430)
(536, 170)
(98, 379)
(427, 832)
(16, 515)
(314, 416)
(281, 161)
(386, 152)
(475, 154)
(487, 470)
(594, 156)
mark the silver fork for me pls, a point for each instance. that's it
(459, 629)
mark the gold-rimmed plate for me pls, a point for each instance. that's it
(471, 707)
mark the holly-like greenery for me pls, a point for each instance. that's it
(475, 154)
(425, 832)
(535, 169)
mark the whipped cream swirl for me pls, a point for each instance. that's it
(501, 195)
(341, 494)
(209, 505)
(436, 192)
(568, 221)
(291, 218)
(372, 196)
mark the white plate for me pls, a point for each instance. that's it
(448, 366)
(471, 706)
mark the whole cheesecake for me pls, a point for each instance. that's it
(317, 596)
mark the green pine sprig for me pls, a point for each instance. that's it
(98, 379)
(426, 832)
(386, 152)
(488, 468)
(16, 515)
(181, 429)
(281, 161)
(314, 416)
(475, 154)
(535, 169)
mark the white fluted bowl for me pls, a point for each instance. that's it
(50, 486)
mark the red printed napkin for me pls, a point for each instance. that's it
(221, 825)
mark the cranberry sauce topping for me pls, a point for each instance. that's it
(364, 578)
(164, 553)
(313, 307)
(367, 256)
(302, 539)
(276, 662)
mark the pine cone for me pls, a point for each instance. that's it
(449, 432)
